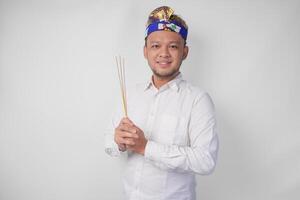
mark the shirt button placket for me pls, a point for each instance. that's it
(153, 111)
(149, 126)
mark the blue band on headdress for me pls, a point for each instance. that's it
(163, 25)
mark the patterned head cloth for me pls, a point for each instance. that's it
(163, 19)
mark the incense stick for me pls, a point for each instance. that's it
(121, 74)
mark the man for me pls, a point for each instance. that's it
(170, 134)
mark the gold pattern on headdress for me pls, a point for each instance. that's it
(160, 13)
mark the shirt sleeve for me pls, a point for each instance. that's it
(201, 154)
(110, 146)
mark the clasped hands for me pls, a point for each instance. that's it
(130, 137)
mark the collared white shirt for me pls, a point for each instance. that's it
(179, 122)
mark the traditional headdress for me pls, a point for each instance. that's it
(163, 19)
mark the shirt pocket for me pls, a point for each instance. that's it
(172, 129)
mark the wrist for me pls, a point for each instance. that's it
(143, 150)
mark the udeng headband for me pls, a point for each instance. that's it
(164, 25)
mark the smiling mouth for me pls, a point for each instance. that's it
(163, 63)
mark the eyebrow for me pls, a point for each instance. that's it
(174, 42)
(177, 42)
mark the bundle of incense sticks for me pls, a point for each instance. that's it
(121, 74)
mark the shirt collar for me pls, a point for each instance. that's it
(173, 84)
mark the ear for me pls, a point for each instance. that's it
(145, 52)
(185, 52)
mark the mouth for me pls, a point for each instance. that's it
(164, 63)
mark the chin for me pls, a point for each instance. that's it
(164, 74)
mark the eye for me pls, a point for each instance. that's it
(154, 46)
(174, 46)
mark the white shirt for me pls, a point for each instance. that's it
(179, 122)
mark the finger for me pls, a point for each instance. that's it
(126, 120)
(122, 147)
(128, 142)
(120, 136)
(125, 134)
(136, 127)
(128, 129)
(125, 141)
(138, 131)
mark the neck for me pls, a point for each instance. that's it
(160, 81)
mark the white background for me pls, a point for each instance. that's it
(58, 83)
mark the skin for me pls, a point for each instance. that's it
(130, 137)
(164, 51)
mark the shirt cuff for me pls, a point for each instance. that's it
(114, 151)
(152, 151)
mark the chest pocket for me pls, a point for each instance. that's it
(172, 130)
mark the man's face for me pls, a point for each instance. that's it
(165, 51)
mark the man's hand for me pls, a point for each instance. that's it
(140, 142)
(124, 134)
(129, 136)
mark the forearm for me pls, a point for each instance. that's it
(200, 160)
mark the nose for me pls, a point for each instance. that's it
(164, 53)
